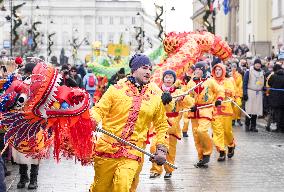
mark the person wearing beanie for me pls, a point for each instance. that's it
(127, 110)
(172, 106)
(253, 95)
(205, 94)
(238, 81)
(223, 137)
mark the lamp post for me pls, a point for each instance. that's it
(11, 28)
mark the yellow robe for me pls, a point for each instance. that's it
(127, 113)
(174, 130)
(201, 119)
(238, 81)
(222, 123)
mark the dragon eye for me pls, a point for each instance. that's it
(21, 100)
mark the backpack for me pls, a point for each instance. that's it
(91, 81)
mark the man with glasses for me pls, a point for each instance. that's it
(76, 77)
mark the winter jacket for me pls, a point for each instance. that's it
(276, 81)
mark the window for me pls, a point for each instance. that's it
(88, 20)
(121, 21)
(99, 36)
(64, 20)
(65, 38)
(100, 20)
(133, 21)
(111, 20)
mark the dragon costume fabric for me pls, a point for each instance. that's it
(37, 113)
(184, 49)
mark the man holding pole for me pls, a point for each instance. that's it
(204, 94)
(127, 110)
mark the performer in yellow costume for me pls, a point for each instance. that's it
(201, 118)
(222, 124)
(238, 79)
(168, 86)
(126, 110)
(187, 76)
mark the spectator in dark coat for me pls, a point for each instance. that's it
(82, 70)
(276, 83)
(2, 176)
(117, 76)
(74, 74)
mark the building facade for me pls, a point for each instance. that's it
(79, 23)
(250, 22)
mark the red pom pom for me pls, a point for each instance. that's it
(18, 89)
(18, 60)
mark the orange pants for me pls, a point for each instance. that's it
(202, 139)
(113, 175)
(185, 121)
(222, 132)
(171, 156)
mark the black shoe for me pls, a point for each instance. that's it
(267, 128)
(254, 129)
(231, 152)
(33, 183)
(203, 162)
(233, 123)
(167, 176)
(239, 122)
(222, 156)
(23, 180)
(184, 134)
(154, 175)
(247, 128)
(200, 164)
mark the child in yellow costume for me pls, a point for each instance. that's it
(238, 79)
(169, 78)
(222, 124)
(126, 110)
(204, 94)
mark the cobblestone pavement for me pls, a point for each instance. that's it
(257, 166)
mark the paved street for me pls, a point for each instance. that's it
(257, 166)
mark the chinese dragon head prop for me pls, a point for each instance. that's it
(184, 49)
(38, 112)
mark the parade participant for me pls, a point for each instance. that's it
(126, 110)
(204, 94)
(186, 79)
(253, 96)
(238, 80)
(169, 78)
(222, 115)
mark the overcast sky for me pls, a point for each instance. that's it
(178, 20)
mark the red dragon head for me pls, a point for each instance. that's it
(58, 111)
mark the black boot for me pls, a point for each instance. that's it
(247, 124)
(239, 122)
(231, 152)
(203, 162)
(34, 173)
(253, 123)
(222, 156)
(23, 170)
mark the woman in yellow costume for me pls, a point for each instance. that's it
(126, 110)
(204, 94)
(222, 124)
(169, 78)
(238, 79)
